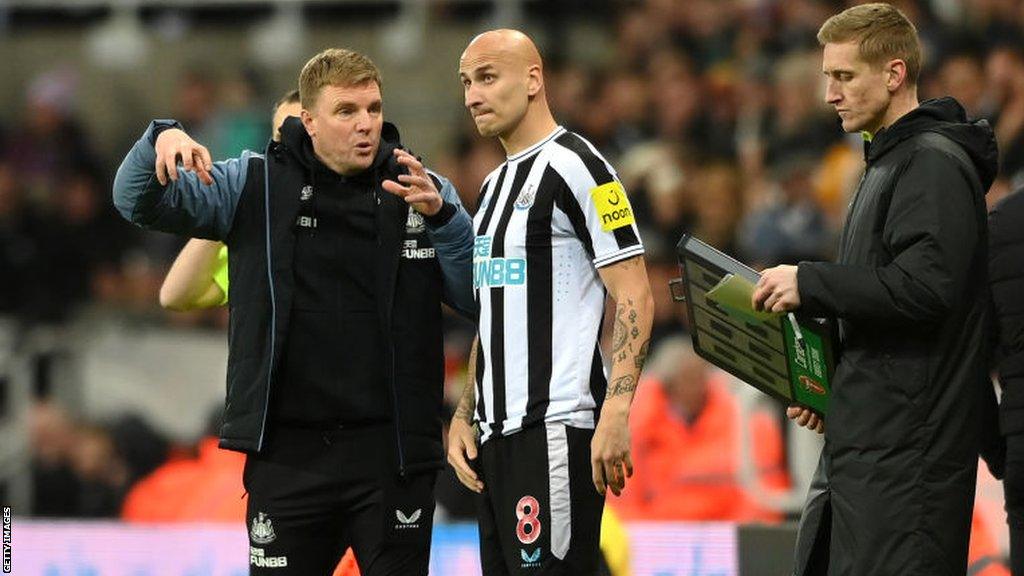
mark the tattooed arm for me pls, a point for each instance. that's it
(634, 310)
(461, 432)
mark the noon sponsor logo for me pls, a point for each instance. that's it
(612, 206)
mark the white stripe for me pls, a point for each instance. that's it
(559, 497)
(628, 252)
(578, 295)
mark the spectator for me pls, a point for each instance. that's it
(686, 445)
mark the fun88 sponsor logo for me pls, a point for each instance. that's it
(494, 272)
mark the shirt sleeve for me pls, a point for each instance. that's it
(220, 275)
(599, 208)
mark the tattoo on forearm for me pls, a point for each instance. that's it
(621, 385)
(620, 333)
(467, 403)
(641, 357)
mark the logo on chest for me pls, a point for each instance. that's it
(526, 198)
(489, 271)
(414, 223)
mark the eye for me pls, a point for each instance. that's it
(489, 78)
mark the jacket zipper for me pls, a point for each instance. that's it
(392, 373)
(273, 302)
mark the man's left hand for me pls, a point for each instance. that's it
(416, 187)
(610, 459)
(777, 290)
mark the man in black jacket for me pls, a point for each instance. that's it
(341, 249)
(894, 489)
(1006, 277)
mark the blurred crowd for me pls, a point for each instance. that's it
(711, 110)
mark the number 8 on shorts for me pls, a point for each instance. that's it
(528, 527)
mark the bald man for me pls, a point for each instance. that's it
(554, 233)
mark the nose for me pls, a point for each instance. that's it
(472, 96)
(832, 93)
(363, 122)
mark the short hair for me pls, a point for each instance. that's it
(289, 97)
(882, 33)
(335, 67)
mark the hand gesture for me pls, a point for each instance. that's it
(173, 144)
(462, 445)
(416, 187)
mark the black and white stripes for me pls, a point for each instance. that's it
(549, 217)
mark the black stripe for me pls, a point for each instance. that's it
(568, 204)
(481, 364)
(490, 209)
(595, 165)
(539, 296)
(480, 195)
(481, 359)
(598, 383)
(624, 236)
(497, 347)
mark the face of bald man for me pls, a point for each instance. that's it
(497, 86)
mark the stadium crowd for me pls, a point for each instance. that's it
(712, 112)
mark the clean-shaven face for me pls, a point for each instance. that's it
(345, 126)
(855, 88)
(495, 89)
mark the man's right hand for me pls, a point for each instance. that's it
(462, 445)
(804, 417)
(172, 144)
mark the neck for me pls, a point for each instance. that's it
(535, 125)
(901, 104)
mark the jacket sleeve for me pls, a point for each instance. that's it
(931, 233)
(451, 233)
(185, 207)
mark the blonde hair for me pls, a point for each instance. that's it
(335, 67)
(882, 33)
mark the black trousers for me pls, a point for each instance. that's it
(312, 494)
(1013, 488)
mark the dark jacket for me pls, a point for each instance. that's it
(1006, 277)
(895, 486)
(253, 206)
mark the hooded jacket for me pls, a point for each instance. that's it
(1006, 276)
(895, 486)
(254, 206)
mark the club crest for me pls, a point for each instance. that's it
(262, 530)
(526, 197)
(414, 223)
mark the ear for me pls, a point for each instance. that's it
(896, 74)
(534, 80)
(307, 121)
